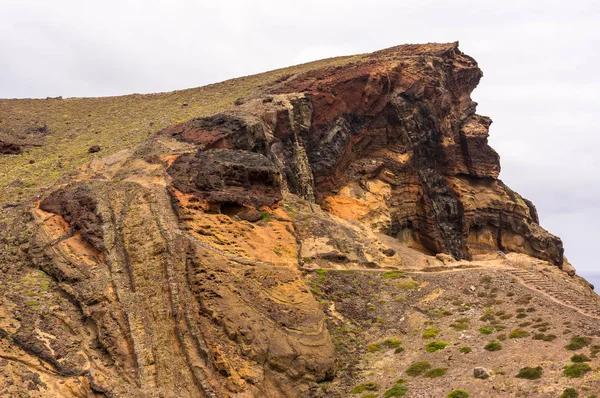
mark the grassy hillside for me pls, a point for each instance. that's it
(114, 123)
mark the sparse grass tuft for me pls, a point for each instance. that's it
(465, 350)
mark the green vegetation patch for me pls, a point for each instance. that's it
(465, 350)
(458, 394)
(578, 342)
(576, 370)
(435, 346)
(578, 358)
(399, 389)
(394, 274)
(493, 346)
(569, 393)
(430, 333)
(518, 334)
(418, 368)
(486, 330)
(544, 337)
(364, 387)
(436, 372)
(530, 373)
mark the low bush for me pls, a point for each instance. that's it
(486, 330)
(465, 350)
(569, 393)
(418, 368)
(435, 372)
(578, 342)
(458, 394)
(576, 370)
(493, 346)
(430, 333)
(530, 373)
(435, 346)
(399, 390)
(577, 358)
(518, 334)
(364, 387)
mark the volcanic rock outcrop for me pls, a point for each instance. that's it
(183, 259)
(400, 129)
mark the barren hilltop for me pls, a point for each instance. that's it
(333, 229)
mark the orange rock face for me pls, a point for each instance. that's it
(403, 118)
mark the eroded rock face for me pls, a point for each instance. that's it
(404, 119)
(185, 257)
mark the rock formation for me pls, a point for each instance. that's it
(182, 261)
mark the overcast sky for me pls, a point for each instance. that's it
(540, 60)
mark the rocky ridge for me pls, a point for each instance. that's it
(239, 254)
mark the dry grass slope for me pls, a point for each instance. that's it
(114, 123)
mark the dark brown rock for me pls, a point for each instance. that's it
(94, 149)
(228, 177)
(79, 208)
(8, 148)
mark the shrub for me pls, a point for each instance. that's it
(530, 373)
(391, 343)
(435, 372)
(460, 324)
(430, 333)
(399, 390)
(486, 330)
(576, 370)
(578, 342)
(458, 394)
(364, 387)
(370, 395)
(398, 350)
(374, 347)
(493, 346)
(465, 350)
(264, 216)
(435, 346)
(417, 368)
(580, 358)
(501, 337)
(487, 317)
(518, 334)
(569, 393)
(544, 337)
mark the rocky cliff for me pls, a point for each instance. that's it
(194, 264)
